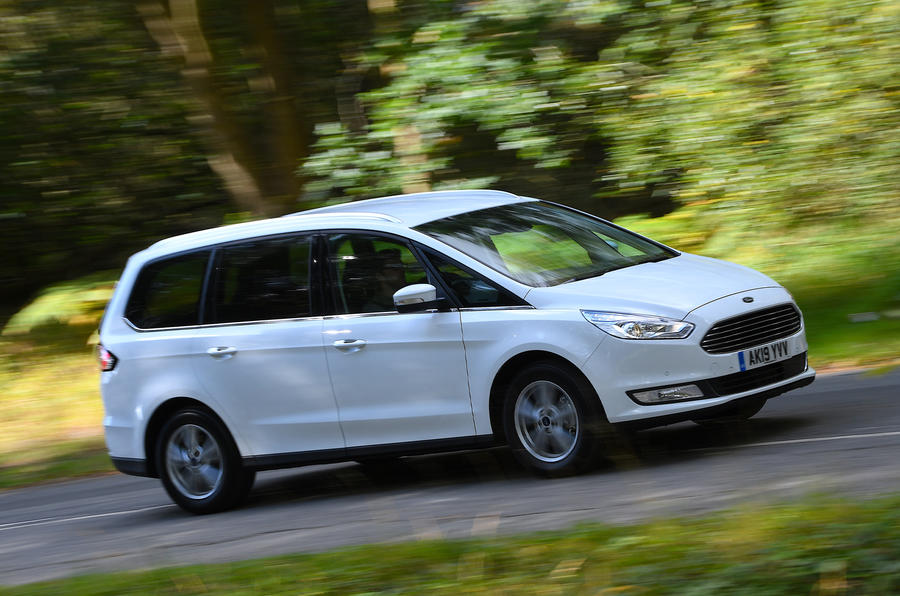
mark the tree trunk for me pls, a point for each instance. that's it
(288, 136)
(407, 139)
(178, 32)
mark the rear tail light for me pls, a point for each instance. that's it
(106, 359)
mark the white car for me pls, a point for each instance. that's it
(421, 323)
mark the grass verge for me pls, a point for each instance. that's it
(52, 413)
(817, 547)
(53, 460)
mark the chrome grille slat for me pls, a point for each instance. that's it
(767, 325)
(751, 318)
(752, 329)
(775, 319)
(757, 313)
(762, 321)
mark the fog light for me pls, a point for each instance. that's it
(667, 394)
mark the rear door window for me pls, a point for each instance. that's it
(167, 292)
(262, 280)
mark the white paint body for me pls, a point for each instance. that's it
(331, 382)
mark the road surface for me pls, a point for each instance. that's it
(840, 435)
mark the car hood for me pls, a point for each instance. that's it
(671, 288)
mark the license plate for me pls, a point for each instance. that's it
(773, 352)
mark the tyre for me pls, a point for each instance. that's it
(739, 413)
(553, 420)
(199, 464)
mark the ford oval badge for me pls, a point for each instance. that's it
(748, 299)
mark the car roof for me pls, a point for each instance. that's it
(418, 208)
(398, 211)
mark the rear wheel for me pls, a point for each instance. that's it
(199, 464)
(553, 420)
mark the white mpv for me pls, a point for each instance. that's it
(422, 323)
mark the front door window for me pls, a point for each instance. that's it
(366, 270)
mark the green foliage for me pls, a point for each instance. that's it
(78, 302)
(96, 152)
(815, 547)
(780, 114)
(783, 114)
(481, 97)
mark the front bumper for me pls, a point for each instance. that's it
(741, 382)
(718, 410)
(619, 368)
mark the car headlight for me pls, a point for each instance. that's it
(628, 326)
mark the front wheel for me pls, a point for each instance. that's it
(199, 464)
(552, 420)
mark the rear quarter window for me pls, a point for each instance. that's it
(167, 292)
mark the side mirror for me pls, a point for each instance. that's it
(417, 298)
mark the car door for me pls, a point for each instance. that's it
(261, 355)
(397, 377)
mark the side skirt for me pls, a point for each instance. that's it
(326, 456)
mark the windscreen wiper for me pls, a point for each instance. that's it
(590, 274)
(662, 257)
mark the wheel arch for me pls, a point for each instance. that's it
(161, 414)
(510, 368)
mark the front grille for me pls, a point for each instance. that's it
(752, 329)
(759, 377)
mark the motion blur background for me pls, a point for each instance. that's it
(762, 132)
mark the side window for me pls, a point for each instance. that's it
(365, 271)
(470, 289)
(167, 292)
(262, 280)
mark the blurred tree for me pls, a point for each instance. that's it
(176, 27)
(493, 93)
(234, 59)
(128, 120)
(97, 150)
(780, 111)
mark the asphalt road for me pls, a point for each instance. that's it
(840, 435)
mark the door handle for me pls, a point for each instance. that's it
(349, 345)
(221, 352)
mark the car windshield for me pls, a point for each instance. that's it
(542, 244)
